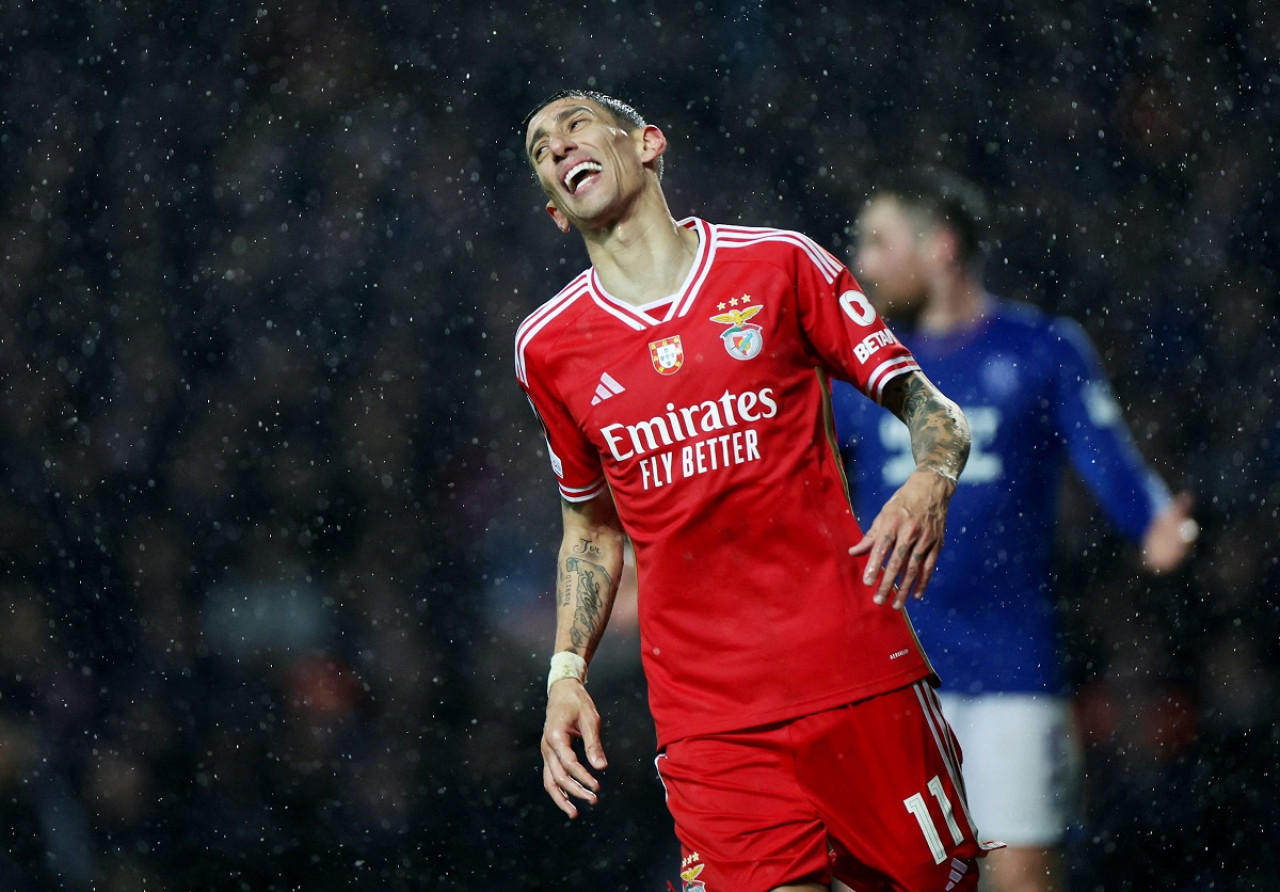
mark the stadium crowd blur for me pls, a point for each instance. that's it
(277, 527)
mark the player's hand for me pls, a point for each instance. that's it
(905, 539)
(1171, 536)
(571, 714)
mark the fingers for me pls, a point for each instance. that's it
(570, 774)
(1170, 538)
(563, 776)
(594, 749)
(911, 565)
(877, 547)
(929, 564)
(570, 715)
(916, 576)
(556, 792)
(864, 544)
(909, 562)
(884, 563)
(1188, 529)
(891, 570)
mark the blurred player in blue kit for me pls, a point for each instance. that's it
(1037, 401)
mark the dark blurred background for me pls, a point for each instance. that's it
(277, 529)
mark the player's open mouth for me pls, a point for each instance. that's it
(578, 173)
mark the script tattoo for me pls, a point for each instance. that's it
(586, 547)
(584, 584)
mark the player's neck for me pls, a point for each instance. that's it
(955, 303)
(643, 258)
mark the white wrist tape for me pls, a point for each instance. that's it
(566, 664)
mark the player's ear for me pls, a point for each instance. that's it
(946, 246)
(653, 143)
(561, 221)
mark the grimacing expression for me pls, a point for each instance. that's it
(892, 256)
(584, 159)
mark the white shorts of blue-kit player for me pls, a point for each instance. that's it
(1021, 764)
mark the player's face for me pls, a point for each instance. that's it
(892, 258)
(586, 163)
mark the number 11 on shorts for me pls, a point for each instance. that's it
(917, 806)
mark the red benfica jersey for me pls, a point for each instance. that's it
(707, 414)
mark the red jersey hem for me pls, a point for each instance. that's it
(727, 724)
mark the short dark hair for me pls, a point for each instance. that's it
(943, 197)
(624, 115)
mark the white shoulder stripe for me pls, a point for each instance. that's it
(542, 316)
(567, 295)
(741, 236)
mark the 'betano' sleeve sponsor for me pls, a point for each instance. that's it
(1099, 442)
(843, 326)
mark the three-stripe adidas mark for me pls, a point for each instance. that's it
(606, 388)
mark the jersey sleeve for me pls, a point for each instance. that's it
(843, 327)
(574, 459)
(1098, 441)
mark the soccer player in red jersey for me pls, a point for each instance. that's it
(682, 382)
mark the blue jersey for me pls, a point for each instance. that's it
(1035, 396)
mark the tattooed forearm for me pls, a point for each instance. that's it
(587, 573)
(586, 587)
(586, 547)
(577, 573)
(939, 431)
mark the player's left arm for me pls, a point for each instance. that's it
(587, 575)
(905, 539)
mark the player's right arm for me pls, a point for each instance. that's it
(587, 574)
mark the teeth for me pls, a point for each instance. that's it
(582, 167)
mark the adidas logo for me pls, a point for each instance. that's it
(606, 388)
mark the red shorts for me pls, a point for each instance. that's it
(869, 793)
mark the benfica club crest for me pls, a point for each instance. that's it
(742, 339)
(689, 876)
(667, 355)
